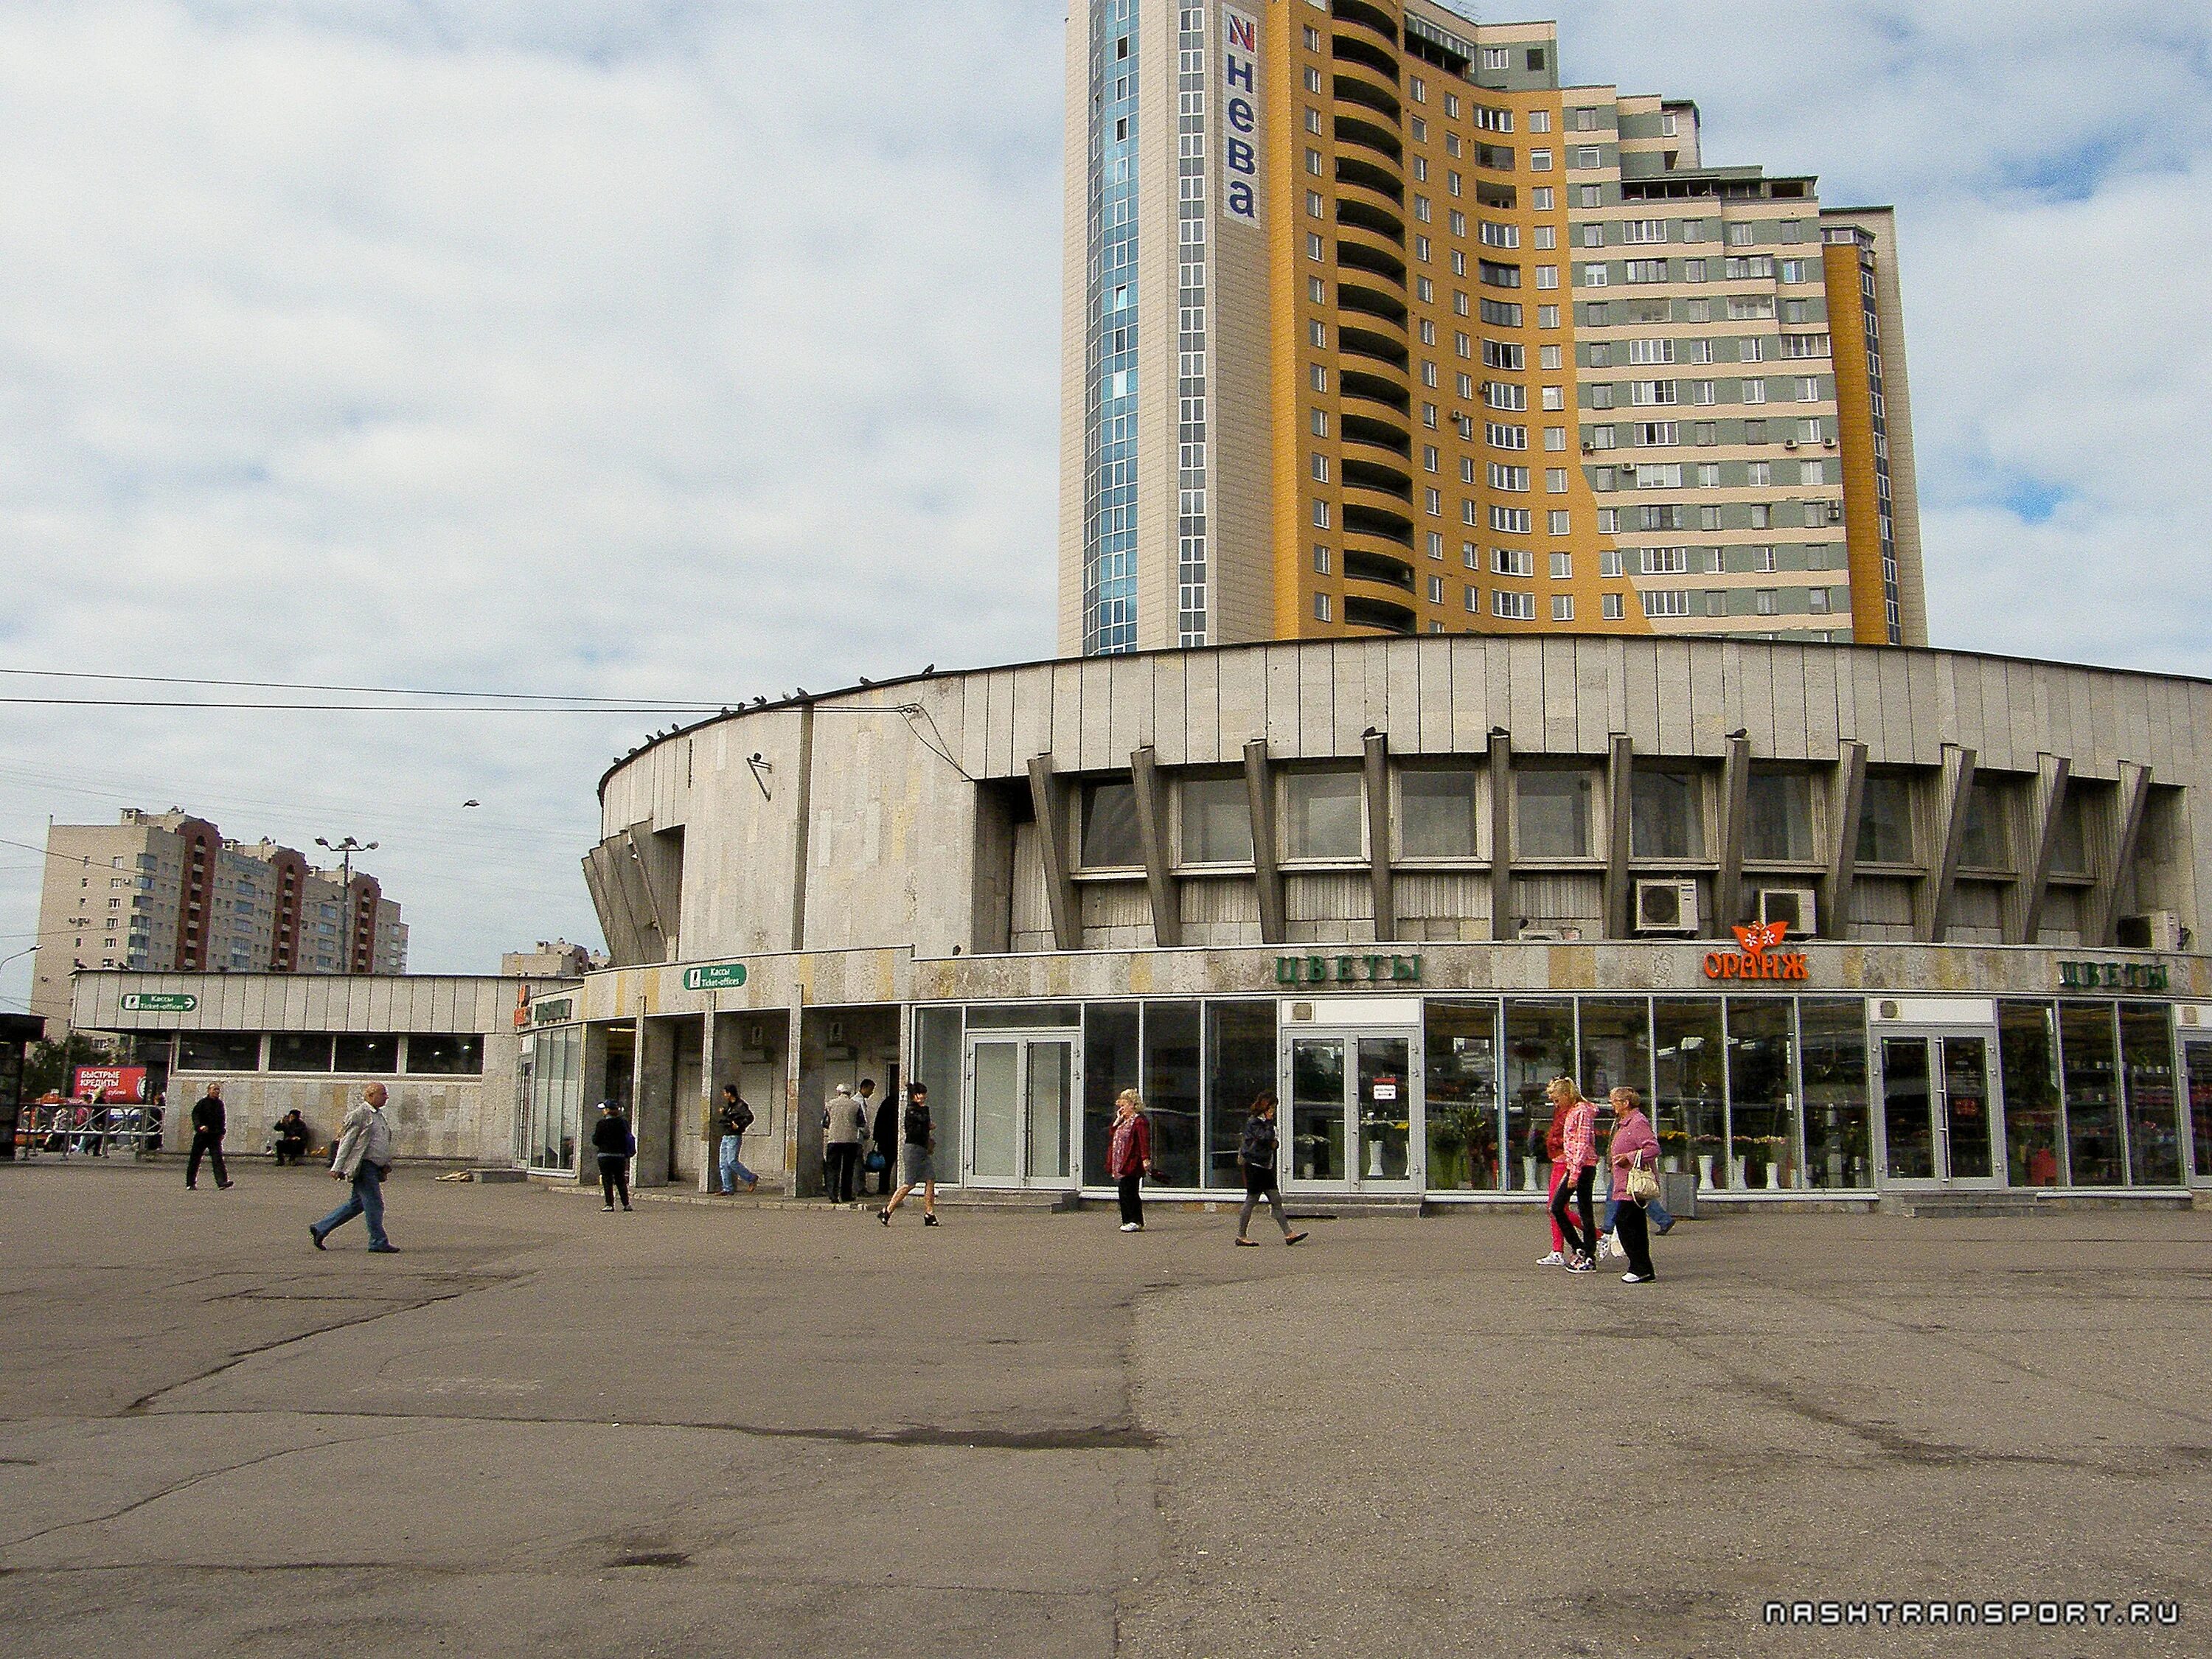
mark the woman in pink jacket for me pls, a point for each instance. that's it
(1634, 1145)
(1129, 1156)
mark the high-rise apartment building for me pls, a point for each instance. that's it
(1374, 325)
(165, 891)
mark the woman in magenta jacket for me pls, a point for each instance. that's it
(1633, 1146)
(1129, 1156)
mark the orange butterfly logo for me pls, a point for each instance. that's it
(1757, 941)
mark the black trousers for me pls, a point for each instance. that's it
(1628, 1226)
(1585, 1242)
(1129, 1190)
(614, 1179)
(839, 1175)
(209, 1146)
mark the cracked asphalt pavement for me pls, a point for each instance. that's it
(707, 1429)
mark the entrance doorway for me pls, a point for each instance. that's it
(1022, 1090)
(2197, 1074)
(1940, 1116)
(1355, 1112)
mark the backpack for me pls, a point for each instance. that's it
(915, 1124)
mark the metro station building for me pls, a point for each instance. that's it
(1860, 922)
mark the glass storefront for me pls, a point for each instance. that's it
(1750, 1094)
(556, 1099)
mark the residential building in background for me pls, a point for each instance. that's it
(551, 959)
(165, 892)
(1374, 325)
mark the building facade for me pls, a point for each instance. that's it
(1375, 324)
(452, 1052)
(165, 891)
(1860, 922)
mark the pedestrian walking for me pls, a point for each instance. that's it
(1578, 1151)
(1554, 1143)
(208, 1124)
(1129, 1156)
(883, 1139)
(1258, 1151)
(614, 1146)
(734, 1117)
(1634, 1151)
(846, 1129)
(918, 1148)
(363, 1157)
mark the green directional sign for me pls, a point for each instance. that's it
(715, 976)
(159, 1002)
(552, 1011)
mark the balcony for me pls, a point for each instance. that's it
(1375, 348)
(1351, 130)
(1369, 434)
(1367, 16)
(1356, 84)
(1381, 615)
(1366, 386)
(1378, 569)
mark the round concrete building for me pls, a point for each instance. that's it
(1860, 923)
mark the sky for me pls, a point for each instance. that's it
(696, 352)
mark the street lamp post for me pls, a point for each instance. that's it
(345, 849)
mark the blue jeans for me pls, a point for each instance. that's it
(733, 1171)
(1654, 1211)
(367, 1199)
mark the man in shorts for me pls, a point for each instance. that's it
(918, 1153)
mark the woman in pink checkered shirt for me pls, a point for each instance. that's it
(1578, 1156)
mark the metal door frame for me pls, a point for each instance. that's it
(1353, 1182)
(1021, 1180)
(1939, 1100)
(2190, 1040)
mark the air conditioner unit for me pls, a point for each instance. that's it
(1550, 935)
(2154, 929)
(1795, 905)
(1666, 907)
(1790, 443)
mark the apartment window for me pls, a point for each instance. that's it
(1323, 815)
(1434, 501)
(1754, 392)
(1562, 522)
(1313, 162)
(1436, 590)
(1779, 816)
(1547, 316)
(1320, 514)
(1539, 161)
(1313, 120)
(1217, 814)
(1885, 820)
(1475, 601)
(1672, 603)
(1512, 561)
(1512, 478)
(1494, 57)
(1437, 814)
(1110, 840)
(1512, 607)
(1436, 544)
(1563, 608)
(1767, 602)
(1563, 567)
(1552, 814)
(1320, 607)
(1314, 207)
(1320, 560)
(1666, 814)
(1816, 601)
(1555, 398)
(1742, 235)
(1609, 523)
(1610, 608)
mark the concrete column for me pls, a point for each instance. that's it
(1953, 789)
(1735, 807)
(1159, 855)
(1266, 873)
(2024, 913)
(1381, 881)
(1849, 799)
(2117, 867)
(710, 1097)
(1619, 821)
(1504, 924)
(1048, 795)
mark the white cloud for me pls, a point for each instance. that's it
(656, 349)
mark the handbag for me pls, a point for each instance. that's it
(1642, 1181)
(874, 1161)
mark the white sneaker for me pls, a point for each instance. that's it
(1554, 1260)
(1133, 1226)
(1635, 1279)
(1609, 1246)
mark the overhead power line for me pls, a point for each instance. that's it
(613, 705)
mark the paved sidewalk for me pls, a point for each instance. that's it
(711, 1429)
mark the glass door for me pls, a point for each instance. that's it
(1939, 1111)
(2198, 1058)
(1021, 1092)
(1355, 1119)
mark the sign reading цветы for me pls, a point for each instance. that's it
(159, 1002)
(715, 976)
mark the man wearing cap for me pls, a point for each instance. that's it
(841, 1142)
(614, 1146)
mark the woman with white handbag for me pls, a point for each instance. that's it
(1634, 1155)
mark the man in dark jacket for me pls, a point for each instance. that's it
(883, 1136)
(614, 1146)
(734, 1118)
(207, 1124)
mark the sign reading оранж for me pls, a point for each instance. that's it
(1759, 957)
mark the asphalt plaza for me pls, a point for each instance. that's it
(739, 1429)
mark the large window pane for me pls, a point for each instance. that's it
(298, 1051)
(1778, 817)
(1984, 834)
(1462, 1095)
(1110, 1064)
(2069, 839)
(2027, 1049)
(1838, 1122)
(1540, 1045)
(1437, 814)
(1240, 1062)
(556, 1084)
(936, 1040)
(2153, 1109)
(1550, 815)
(1668, 819)
(1217, 821)
(219, 1051)
(1690, 1096)
(1172, 1085)
(368, 1053)
(2090, 1065)
(1322, 812)
(457, 1054)
(1110, 827)
(1885, 820)
(1616, 1047)
(1024, 1015)
(2200, 1108)
(1762, 1102)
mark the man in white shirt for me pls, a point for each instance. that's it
(363, 1158)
